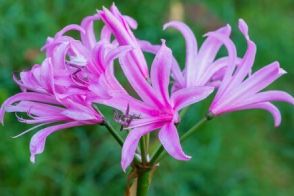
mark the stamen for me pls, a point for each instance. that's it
(29, 130)
(125, 119)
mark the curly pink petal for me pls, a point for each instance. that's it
(37, 143)
(169, 138)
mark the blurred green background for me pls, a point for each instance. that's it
(236, 154)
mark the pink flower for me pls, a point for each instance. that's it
(156, 109)
(161, 108)
(120, 27)
(240, 90)
(44, 109)
(201, 66)
(59, 93)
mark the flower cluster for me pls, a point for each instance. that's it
(60, 92)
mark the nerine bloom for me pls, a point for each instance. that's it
(45, 108)
(240, 90)
(59, 93)
(156, 108)
(164, 108)
(201, 67)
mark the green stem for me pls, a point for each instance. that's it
(143, 182)
(108, 126)
(143, 149)
(156, 155)
(159, 153)
(193, 129)
(147, 140)
(116, 136)
(112, 131)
